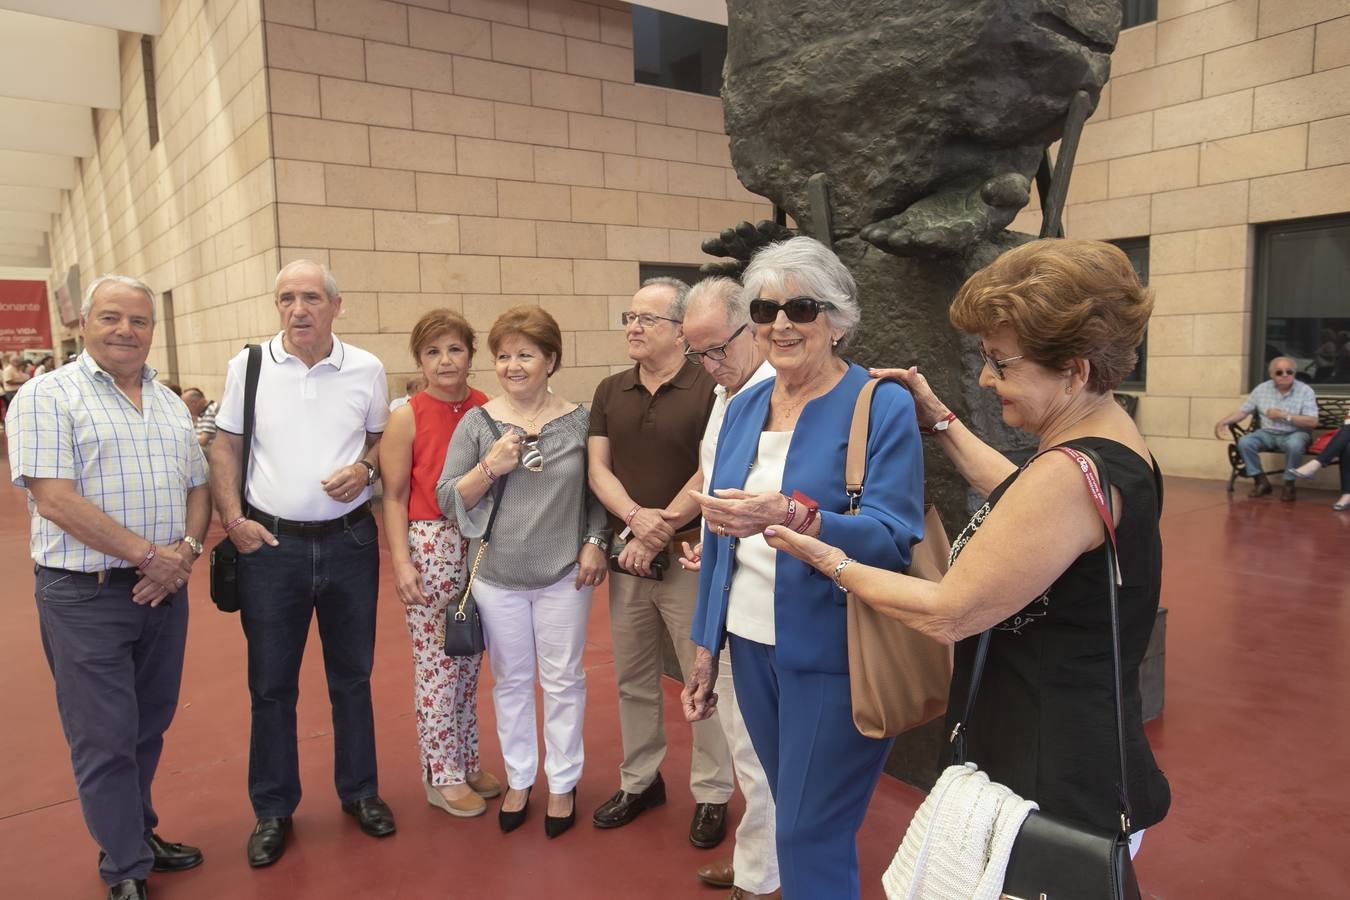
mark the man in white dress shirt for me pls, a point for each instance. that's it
(718, 335)
(308, 547)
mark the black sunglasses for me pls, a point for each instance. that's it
(716, 354)
(799, 309)
(1283, 372)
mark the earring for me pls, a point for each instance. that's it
(834, 342)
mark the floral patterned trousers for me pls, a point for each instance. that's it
(445, 688)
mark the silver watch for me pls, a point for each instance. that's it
(370, 471)
(597, 541)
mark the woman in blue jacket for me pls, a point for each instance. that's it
(780, 461)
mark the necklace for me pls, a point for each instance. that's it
(529, 420)
(457, 405)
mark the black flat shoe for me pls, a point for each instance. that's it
(556, 825)
(127, 889)
(510, 821)
(373, 815)
(268, 841)
(623, 807)
(709, 825)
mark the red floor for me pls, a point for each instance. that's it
(1255, 740)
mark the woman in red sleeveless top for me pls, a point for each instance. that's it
(429, 566)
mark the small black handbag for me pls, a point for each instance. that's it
(224, 555)
(1054, 856)
(463, 629)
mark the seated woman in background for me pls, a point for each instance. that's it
(1340, 443)
(1058, 321)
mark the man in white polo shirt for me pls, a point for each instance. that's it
(308, 547)
(718, 335)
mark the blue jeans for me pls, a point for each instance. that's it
(117, 666)
(336, 578)
(1253, 444)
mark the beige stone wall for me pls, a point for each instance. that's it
(478, 154)
(1218, 117)
(195, 213)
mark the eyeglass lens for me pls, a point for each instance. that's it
(799, 309)
(716, 354)
(1284, 371)
(531, 458)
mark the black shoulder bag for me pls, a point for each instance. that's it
(1056, 857)
(224, 555)
(463, 628)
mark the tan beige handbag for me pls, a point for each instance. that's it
(898, 677)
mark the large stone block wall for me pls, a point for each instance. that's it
(195, 213)
(478, 154)
(1218, 117)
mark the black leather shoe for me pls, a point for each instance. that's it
(373, 815)
(623, 807)
(127, 889)
(510, 821)
(556, 825)
(268, 841)
(171, 857)
(709, 825)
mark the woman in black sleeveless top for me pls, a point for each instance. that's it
(1058, 321)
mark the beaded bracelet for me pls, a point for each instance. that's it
(235, 523)
(147, 559)
(482, 464)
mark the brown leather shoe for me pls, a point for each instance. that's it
(718, 874)
(1261, 487)
(739, 894)
(1289, 493)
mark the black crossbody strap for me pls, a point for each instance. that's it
(500, 484)
(252, 373)
(1099, 485)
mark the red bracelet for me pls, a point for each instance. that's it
(628, 519)
(812, 508)
(235, 523)
(492, 479)
(791, 512)
(147, 559)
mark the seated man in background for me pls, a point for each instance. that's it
(1286, 410)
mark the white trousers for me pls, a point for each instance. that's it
(755, 857)
(544, 627)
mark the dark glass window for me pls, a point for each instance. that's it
(678, 52)
(690, 275)
(1137, 250)
(1303, 300)
(1137, 12)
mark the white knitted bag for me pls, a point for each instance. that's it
(958, 843)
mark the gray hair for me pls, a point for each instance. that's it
(815, 271)
(124, 280)
(681, 298)
(1270, 365)
(330, 286)
(726, 290)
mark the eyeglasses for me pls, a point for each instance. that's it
(799, 309)
(530, 456)
(998, 365)
(646, 320)
(716, 354)
(1282, 371)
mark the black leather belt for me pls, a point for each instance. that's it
(292, 528)
(117, 573)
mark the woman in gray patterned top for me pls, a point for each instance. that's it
(546, 554)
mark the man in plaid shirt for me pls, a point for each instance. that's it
(1286, 410)
(119, 504)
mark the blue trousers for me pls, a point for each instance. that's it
(117, 668)
(820, 769)
(335, 578)
(1254, 443)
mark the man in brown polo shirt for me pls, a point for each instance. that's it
(646, 424)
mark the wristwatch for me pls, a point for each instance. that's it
(597, 541)
(370, 471)
(194, 544)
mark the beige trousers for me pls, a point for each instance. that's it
(638, 609)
